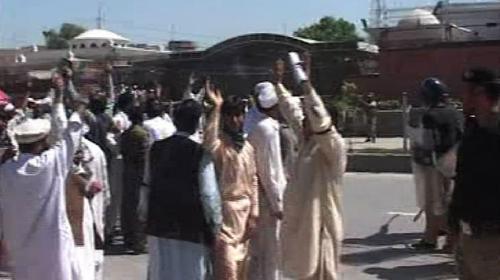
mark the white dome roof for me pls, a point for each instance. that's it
(418, 17)
(100, 34)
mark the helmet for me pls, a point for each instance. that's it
(433, 90)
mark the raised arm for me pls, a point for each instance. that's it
(289, 106)
(325, 133)
(290, 109)
(65, 149)
(212, 141)
(110, 94)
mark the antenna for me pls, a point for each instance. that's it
(378, 10)
(1, 22)
(172, 32)
(100, 16)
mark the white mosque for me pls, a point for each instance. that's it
(95, 45)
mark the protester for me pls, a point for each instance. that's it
(121, 122)
(101, 126)
(123, 106)
(80, 215)
(235, 164)
(474, 209)
(32, 195)
(159, 125)
(99, 194)
(312, 227)
(434, 141)
(184, 202)
(265, 138)
(134, 145)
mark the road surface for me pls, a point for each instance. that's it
(378, 211)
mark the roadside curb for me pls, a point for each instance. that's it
(379, 163)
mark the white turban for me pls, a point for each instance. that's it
(32, 130)
(8, 107)
(266, 95)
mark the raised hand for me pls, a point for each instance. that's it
(306, 58)
(108, 68)
(213, 95)
(58, 82)
(279, 71)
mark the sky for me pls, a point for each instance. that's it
(158, 21)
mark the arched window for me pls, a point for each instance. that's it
(104, 45)
(93, 45)
(75, 46)
(82, 46)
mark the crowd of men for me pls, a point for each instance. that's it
(224, 188)
(227, 188)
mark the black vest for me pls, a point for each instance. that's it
(175, 207)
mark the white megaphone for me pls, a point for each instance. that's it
(298, 71)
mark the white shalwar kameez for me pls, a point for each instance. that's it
(265, 245)
(85, 255)
(33, 207)
(100, 201)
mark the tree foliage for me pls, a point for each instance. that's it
(329, 29)
(60, 39)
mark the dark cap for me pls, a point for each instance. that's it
(480, 76)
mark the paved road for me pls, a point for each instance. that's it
(379, 228)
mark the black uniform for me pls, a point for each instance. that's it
(476, 198)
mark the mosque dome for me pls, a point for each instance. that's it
(97, 38)
(417, 18)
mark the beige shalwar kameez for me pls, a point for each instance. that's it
(237, 177)
(312, 228)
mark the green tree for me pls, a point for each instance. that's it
(60, 39)
(329, 29)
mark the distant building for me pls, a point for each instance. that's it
(237, 64)
(92, 48)
(437, 41)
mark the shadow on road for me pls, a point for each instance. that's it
(379, 256)
(384, 241)
(444, 270)
(383, 246)
(384, 238)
